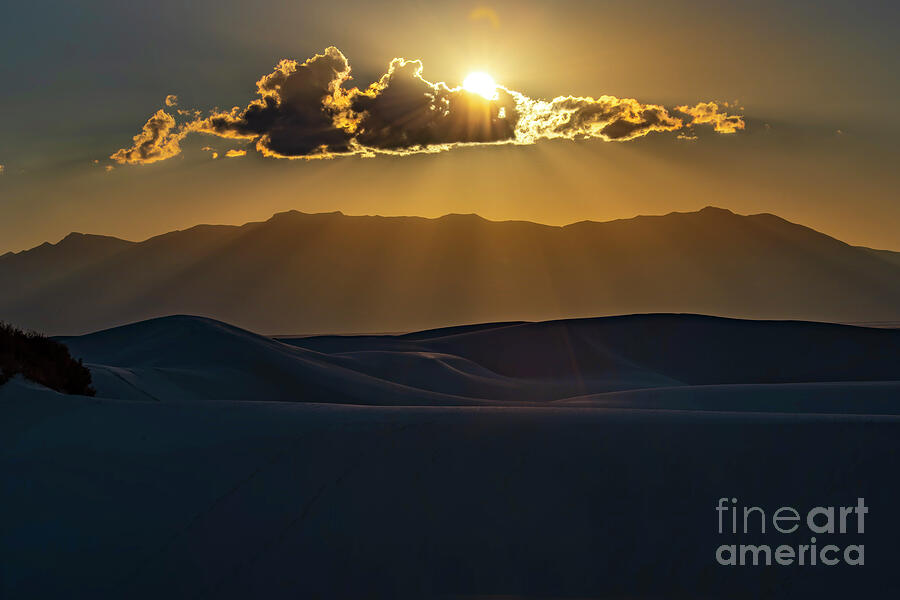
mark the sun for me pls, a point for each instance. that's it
(479, 82)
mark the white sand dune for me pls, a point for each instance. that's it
(193, 358)
(577, 459)
(183, 357)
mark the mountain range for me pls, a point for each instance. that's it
(299, 273)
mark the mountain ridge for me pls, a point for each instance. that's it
(892, 254)
(333, 273)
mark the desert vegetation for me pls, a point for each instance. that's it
(42, 360)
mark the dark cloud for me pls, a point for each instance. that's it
(295, 113)
(304, 110)
(403, 112)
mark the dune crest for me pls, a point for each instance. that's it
(582, 361)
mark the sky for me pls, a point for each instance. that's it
(803, 123)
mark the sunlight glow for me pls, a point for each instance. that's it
(479, 82)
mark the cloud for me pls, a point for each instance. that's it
(158, 140)
(295, 113)
(707, 113)
(403, 113)
(235, 153)
(171, 100)
(607, 118)
(307, 110)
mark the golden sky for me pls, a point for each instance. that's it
(603, 110)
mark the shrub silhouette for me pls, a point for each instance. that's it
(41, 360)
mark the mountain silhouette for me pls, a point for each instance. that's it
(332, 273)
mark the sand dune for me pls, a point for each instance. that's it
(190, 358)
(566, 459)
